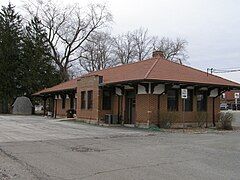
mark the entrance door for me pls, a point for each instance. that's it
(130, 107)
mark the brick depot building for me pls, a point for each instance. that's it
(139, 93)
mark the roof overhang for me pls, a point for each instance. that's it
(170, 82)
(51, 93)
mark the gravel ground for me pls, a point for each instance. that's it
(38, 148)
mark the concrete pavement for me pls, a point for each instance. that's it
(39, 148)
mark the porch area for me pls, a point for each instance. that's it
(56, 104)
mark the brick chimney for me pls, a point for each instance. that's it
(158, 54)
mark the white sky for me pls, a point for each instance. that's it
(211, 27)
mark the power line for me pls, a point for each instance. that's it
(223, 70)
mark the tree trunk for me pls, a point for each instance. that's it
(64, 74)
(5, 108)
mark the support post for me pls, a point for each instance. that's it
(183, 111)
(55, 113)
(119, 104)
(44, 105)
(213, 111)
(53, 102)
(158, 109)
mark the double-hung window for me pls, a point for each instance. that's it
(172, 100)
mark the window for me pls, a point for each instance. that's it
(189, 101)
(202, 101)
(90, 100)
(106, 103)
(83, 100)
(172, 100)
(63, 102)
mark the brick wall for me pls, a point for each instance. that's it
(146, 105)
(58, 107)
(87, 84)
(147, 112)
(146, 108)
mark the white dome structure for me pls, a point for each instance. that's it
(23, 106)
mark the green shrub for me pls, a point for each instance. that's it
(201, 118)
(167, 119)
(225, 120)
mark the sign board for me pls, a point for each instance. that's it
(159, 89)
(118, 91)
(236, 95)
(214, 92)
(184, 93)
(223, 95)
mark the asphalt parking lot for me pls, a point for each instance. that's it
(34, 147)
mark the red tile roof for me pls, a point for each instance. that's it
(152, 69)
(72, 84)
(160, 69)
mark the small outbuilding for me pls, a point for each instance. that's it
(23, 106)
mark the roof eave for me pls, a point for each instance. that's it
(53, 92)
(235, 87)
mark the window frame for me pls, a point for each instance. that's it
(176, 100)
(106, 101)
(83, 100)
(90, 99)
(188, 107)
(63, 102)
(203, 107)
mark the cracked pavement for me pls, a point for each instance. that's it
(33, 147)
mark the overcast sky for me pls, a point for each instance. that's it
(211, 27)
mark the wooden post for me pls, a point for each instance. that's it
(158, 109)
(183, 111)
(44, 105)
(55, 114)
(213, 111)
(119, 104)
(53, 99)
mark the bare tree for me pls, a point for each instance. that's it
(124, 48)
(68, 28)
(173, 50)
(96, 54)
(143, 43)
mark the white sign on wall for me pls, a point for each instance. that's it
(236, 95)
(118, 91)
(184, 93)
(214, 93)
(223, 95)
(141, 89)
(159, 89)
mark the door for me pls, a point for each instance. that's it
(130, 108)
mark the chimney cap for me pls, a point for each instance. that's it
(158, 53)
